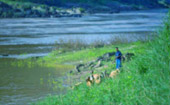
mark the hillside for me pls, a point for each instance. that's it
(145, 3)
(73, 8)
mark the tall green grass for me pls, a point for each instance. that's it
(143, 81)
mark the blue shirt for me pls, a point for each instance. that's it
(118, 53)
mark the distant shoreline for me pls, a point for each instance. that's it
(32, 10)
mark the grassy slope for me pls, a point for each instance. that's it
(68, 60)
(90, 53)
(143, 81)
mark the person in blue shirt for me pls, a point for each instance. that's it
(118, 55)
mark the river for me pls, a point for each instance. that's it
(27, 37)
(31, 37)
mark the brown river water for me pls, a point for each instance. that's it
(29, 37)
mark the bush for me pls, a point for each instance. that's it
(70, 45)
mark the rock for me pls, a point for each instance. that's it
(78, 5)
(40, 9)
(5, 55)
(167, 2)
(104, 74)
(52, 9)
(37, 57)
(90, 64)
(114, 11)
(115, 6)
(35, 14)
(128, 56)
(26, 7)
(82, 10)
(123, 58)
(4, 6)
(70, 11)
(19, 14)
(98, 64)
(7, 14)
(78, 67)
(107, 56)
(76, 15)
(17, 10)
(77, 11)
(126, 8)
(71, 71)
(79, 83)
(99, 58)
(100, 9)
(6, 11)
(28, 12)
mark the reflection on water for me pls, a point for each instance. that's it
(21, 85)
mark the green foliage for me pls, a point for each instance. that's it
(44, 8)
(143, 81)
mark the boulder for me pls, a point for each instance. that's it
(5, 55)
(70, 11)
(90, 64)
(76, 15)
(5, 6)
(6, 11)
(17, 10)
(77, 11)
(167, 2)
(79, 66)
(19, 14)
(7, 14)
(107, 56)
(99, 58)
(128, 56)
(71, 71)
(98, 64)
(78, 5)
(104, 74)
(100, 9)
(123, 58)
(28, 13)
(127, 8)
(40, 9)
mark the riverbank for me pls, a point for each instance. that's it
(30, 9)
(50, 74)
(143, 80)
